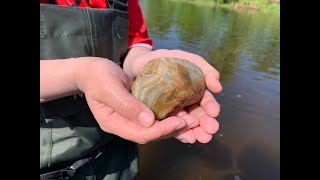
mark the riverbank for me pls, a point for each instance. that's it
(251, 6)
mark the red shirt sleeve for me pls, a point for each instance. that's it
(137, 25)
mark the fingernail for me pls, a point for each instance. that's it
(217, 81)
(184, 138)
(183, 141)
(190, 122)
(146, 119)
(181, 125)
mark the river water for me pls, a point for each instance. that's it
(245, 48)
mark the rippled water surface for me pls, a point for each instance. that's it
(245, 49)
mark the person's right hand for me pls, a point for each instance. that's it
(106, 88)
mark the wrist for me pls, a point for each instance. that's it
(83, 71)
(57, 78)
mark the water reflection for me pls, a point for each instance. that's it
(245, 49)
(191, 162)
(256, 162)
(225, 38)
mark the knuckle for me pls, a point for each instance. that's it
(125, 108)
(217, 111)
(198, 57)
(217, 73)
(177, 51)
(142, 140)
(216, 128)
(106, 129)
(142, 137)
(194, 140)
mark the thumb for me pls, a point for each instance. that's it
(121, 101)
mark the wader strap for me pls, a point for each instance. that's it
(70, 105)
(118, 4)
(69, 171)
(52, 2)
(75, 4)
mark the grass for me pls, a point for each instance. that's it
(267, 6)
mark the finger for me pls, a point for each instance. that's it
(161, 129)
(190, 120)
(190, 123)
(212, 83)
(116, 124)
(208, 124)
(186, 137)
(209, 104)
(212, 76)
(201, 135)
(119, 99)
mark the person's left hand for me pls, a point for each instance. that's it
(200, 117)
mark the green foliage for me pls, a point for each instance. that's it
(272, 8)
(225, 1)
(266, 6)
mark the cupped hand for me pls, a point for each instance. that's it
(200, 117)
(106, 88)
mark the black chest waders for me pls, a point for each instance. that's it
(72, 145)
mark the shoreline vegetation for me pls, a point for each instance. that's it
(251, 6)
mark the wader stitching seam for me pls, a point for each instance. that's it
(69, 137)
(51, 147)
(69, 35)
(92, 47)
(113, 37)
(94, 34)
(42, 35)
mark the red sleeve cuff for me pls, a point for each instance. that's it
(137, 25)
